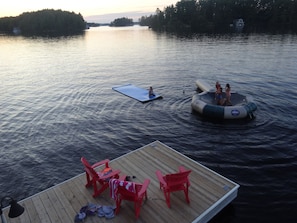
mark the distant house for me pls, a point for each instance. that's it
(237, 25)
(16, 31)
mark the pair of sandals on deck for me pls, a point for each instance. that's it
(92, 210)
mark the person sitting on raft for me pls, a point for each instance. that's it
(151, 92)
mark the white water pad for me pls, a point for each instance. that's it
(137, 93)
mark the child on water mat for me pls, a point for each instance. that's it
(151, 92)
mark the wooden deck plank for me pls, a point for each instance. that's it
(49, 203)
(209, 192)
(66, 207)
(41, 210)
(30, 214)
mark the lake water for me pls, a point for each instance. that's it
(57, 104)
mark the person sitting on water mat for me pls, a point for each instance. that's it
(151, 92)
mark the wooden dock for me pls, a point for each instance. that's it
(209, 192)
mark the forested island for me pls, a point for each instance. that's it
(122, 22)
(219, 16)
(44, 22)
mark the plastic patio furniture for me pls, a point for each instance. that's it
(137, 193)
(174, 182)
(99, 179)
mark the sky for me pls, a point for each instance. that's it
(92, 10)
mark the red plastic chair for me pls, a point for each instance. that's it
(174, 182)
(99, 179)
(137, 196)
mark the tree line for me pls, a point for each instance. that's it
(215, 16)
(44, 22)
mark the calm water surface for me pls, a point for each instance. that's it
(57, 105)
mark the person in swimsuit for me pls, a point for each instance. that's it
(228, 94)
(218, 86)
(219, 97)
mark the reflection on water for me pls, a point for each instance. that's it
(57, 105)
